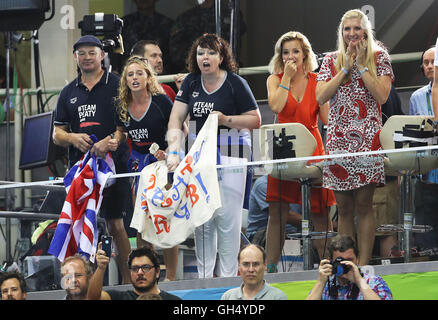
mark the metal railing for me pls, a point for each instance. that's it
(395, 58)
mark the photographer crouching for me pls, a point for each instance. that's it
(340, 278)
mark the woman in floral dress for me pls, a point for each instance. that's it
(357, 80)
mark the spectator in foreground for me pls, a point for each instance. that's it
(341, 279)
(252, 267)
(144, 266)
(76, 273)
(13, 286)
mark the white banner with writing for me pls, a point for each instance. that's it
(166, 217)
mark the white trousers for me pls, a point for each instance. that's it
(221, 234)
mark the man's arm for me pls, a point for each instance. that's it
(324, 271)
(109, 143)
(412, 106)
(117, 139)
(95, 291)
(367, 292)
(355, 277)
(62, 137)
(316, 293)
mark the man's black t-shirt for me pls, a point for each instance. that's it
(91, 112)
(131, 295)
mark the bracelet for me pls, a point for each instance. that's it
(284, 87)
(345, 71)
(363, 70)
(173, 152)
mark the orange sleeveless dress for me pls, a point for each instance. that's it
(306, 112)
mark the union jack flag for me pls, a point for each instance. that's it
(76, 231)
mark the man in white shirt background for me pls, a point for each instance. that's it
(427, 188)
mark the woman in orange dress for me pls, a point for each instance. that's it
(291, 95)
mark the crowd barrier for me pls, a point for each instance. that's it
(408, 281)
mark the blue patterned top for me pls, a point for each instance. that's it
(376, 283)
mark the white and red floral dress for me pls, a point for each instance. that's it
(354, 124)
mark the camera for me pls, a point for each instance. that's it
(338, 268)
(283, 145)
(108, 26)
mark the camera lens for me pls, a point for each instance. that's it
(338, 268)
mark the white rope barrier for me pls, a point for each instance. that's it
(331, 156)
(419, 150)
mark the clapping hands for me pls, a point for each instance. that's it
(361, 53)
(356, 52)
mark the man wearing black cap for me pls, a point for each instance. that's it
(86, 106)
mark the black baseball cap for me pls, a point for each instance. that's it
(87, 40)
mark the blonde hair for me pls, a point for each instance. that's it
(276, 65)
(125, 96)
(372, 45)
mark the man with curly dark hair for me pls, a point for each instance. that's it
(12, 286)
(144, 265)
